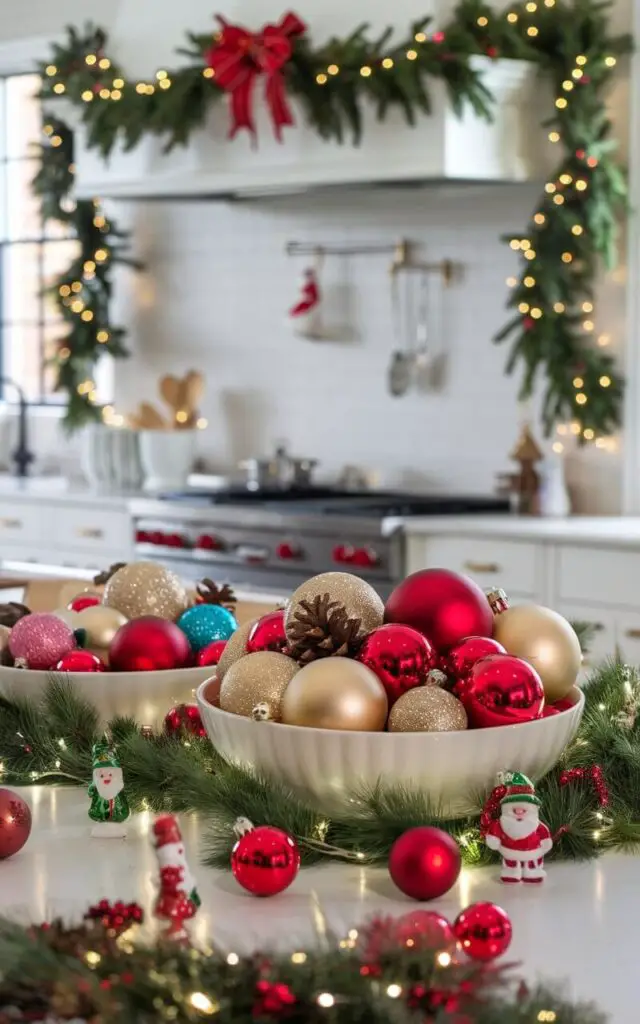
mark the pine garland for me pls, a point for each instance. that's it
(64, 972)
(50, 743)
(571, 231)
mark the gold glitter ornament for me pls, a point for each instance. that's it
(100, 625)
(336, 693)
(236, 648)
(358, 598)
(260, 678)
(427, 709)
(146, 588)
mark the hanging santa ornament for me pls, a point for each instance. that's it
(424, 862)
(15, 823)
(264, 860)
(483, 931)
(305, 316)
(502, 690)
(518, 835)
(400, 656)
(267, 634)
(542, 637)
(178, 899)
(443, 605)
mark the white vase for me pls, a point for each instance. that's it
(167, 458)
(554, 496)
(111, 458)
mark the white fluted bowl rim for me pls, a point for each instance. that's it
(454, 770)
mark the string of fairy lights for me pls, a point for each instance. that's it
(108, 84)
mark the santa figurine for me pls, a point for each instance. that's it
(178, 898)
(109, 806)
(518, 835)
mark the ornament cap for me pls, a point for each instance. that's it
(242, 826)
(497, 598)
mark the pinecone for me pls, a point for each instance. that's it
(106, 574)
(12, 612)
(210, 593)
(322, 628)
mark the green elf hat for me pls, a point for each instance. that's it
(519, 788)
(103, 756)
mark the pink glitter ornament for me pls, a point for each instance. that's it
(40, 640)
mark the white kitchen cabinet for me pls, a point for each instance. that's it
(488, 561)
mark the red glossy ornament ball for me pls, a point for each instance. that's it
(502, 690)
(39, 640)
(211, 654)
(81, 661)
(149, 644)
(425, 929)
(267, 634)
(82, 601)
(400, 657)
(549, 711)
(443, 605)
(483, 931)
(265, 860)
(424, 862)
(184, 717)
(458, 662)
(562, 705)
(15, 823)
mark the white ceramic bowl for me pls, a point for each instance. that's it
(145, 696)
(455, 770)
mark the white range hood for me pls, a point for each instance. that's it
(441, 147)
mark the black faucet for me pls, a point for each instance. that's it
(21, 456)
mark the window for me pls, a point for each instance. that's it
(32, 254)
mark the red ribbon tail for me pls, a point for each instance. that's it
(279, 108)
(241, 99)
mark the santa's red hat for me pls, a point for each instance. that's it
(166, 831)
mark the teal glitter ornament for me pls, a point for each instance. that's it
(205, 623)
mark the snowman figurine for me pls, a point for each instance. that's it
(518, 835)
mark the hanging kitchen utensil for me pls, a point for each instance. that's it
(422, 325)
(401, 365)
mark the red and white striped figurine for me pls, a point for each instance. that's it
(518, 835)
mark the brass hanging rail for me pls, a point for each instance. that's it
(402, 253)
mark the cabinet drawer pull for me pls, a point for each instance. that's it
(11, 524)
(90, 532)
(482, 567)
(633, 634)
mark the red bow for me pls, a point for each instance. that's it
(238, 56)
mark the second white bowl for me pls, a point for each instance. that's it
(454, 770)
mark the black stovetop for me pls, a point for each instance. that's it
(334, 501)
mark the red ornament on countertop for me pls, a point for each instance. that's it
(184, 718)
(267, 634)
(443, 605)
(483, 931)
(265, 860)
(81, 661)
(211, 654)
(458, 662)
(502, 690)
(400, 656)
(424, 862)
(82, 601)
(149, 644)
(15, 822)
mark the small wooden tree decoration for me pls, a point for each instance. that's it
(525, 484)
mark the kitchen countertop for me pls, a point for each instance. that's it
(578, 929)
(616, 531)
(59, 490)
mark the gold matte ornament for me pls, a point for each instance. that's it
(358, 598)
(427, 709)
(100, 625)
(145, 588)
(546, 640)
(236, 647)
(260, 678)
(336, 693)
